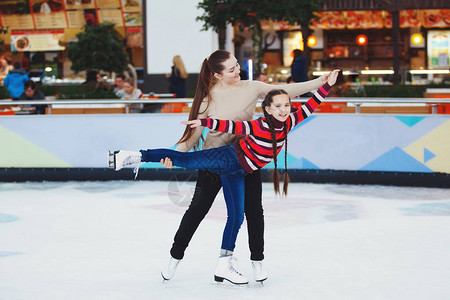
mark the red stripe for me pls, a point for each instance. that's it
(221, 126)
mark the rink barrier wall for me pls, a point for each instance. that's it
(439, 180)
(375, 144)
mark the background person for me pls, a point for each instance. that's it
(15, 81)
(91, 80)
(118, 85)
(4, 69)
(102, 84)
(261, 77)
(130, 91)
(178, 78)
(32, 93)
(298, 66)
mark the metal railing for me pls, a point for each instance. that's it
(357, 102)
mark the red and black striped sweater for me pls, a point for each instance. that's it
(256, 150)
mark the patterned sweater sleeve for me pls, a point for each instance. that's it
(228, 126)
(310, 106)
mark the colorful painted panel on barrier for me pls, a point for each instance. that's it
(323, 141)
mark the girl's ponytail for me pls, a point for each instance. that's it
(286, 175)
(202, 91)
(210, 66)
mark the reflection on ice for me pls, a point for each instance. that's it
(4, 218)
(343, 212)
(4, 253)
(428, 209)
(390, 192)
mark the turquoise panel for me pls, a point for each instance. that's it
(396, 160)
(303, 163)
(410, 120)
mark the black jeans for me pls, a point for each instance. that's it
(207, 187)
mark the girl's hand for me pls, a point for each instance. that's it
(167, 163)
(333, 77)
(325, 77)
(192, 123)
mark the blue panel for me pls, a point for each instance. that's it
(281, 160)
(304, 122)
(427, 155)
(396, 160)
(410, 121)
(303, 163)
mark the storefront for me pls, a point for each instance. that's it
(375, 45)
(39, 31)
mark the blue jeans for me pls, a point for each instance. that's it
(223, 161)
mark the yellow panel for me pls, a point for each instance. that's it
(438, 142)
(16, 152)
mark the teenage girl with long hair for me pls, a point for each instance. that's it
(236, 160)
(221, 94)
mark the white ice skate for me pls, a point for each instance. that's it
(168, 272)
(226, 269)
(122, 158)
(258, 271)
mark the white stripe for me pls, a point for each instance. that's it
(247, 128)
(230, 127)
(292, 122)
(214, 124)
(319, 97)
(265, 144)
(250, 163)
(306, 110)
(268, 160)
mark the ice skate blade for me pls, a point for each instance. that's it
(164, 278)
(111, 160)
(220, 279)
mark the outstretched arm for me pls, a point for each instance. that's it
(226, 126)
(311, 105)
(293, 89)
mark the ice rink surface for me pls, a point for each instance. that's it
(109, 240)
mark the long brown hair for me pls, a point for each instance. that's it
(276, 176)
(210, 66)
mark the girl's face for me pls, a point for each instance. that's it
(127, 88)
(230, 73)
(280, 108)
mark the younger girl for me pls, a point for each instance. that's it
(265, 138)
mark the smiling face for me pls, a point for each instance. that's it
(280, 108)
(230, 73)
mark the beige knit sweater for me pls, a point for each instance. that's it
(238, 103)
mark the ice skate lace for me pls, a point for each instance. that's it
(131, 160)
(136, 170)
(234, 265)
(258, 266)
